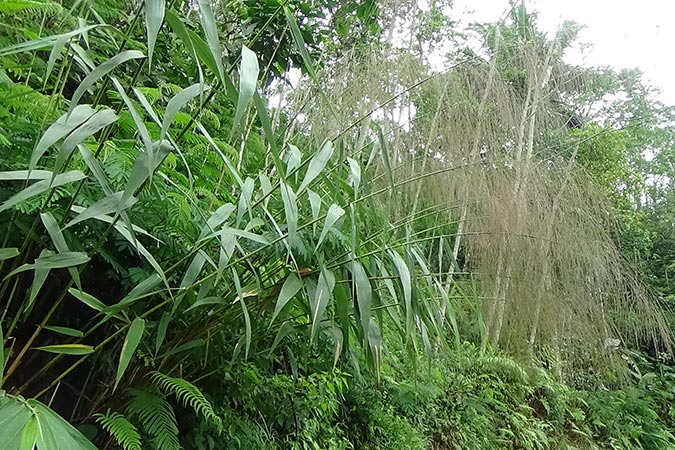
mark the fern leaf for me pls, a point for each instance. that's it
(156, 417)
(124, 432)
(189, 395)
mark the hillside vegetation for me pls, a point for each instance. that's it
(327, 224)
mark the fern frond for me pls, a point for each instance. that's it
(156, 418)
(30, 8)
(124, 432)
(189, 395)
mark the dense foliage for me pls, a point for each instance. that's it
(273, 225)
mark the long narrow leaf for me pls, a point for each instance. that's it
(317, 164)
(211, 32)
(99, 72)
(288, 290)
(42, 186)
(133, 338)
(67, 349)
(154, 16)
(248, 78)
(324, 289)
(63, 126)
(177, 102)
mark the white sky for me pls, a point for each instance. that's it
(622, 33)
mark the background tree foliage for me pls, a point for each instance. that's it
(276, 225)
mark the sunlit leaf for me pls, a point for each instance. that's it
(63, 126)
(288, 290)
(318, 303)
(248, 78)
(177, 102)
(154, 16)
(317, 164)
(42, 186)
(57, 261)
(96, 122)
(364, 294)
(113, 203)
(88, 299)
(211, 32)
(332, 216)
(67, 349)
(8, 253)
(99, 72)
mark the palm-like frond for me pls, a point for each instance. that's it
(124, 432)
(156, 417)
(189, 395)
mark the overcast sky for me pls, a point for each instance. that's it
(622, 33)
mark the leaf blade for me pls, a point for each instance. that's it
(131, 341)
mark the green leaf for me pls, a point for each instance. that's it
(314, 203)
(138, 121)
(42, 186)
(364, 294)
(63, 126)
(145, 165)
(131, 342)
(8, 253)
(286, 329)
(154, 16)
(318, 303)
(406, 284)
(317, 164)
(109, 204)
(306, 58)
(294, 158)
(384, 153)
(59, 242)
(19, 418)
(54, 54)
(64, 330)
(67, 349)
(266, 123)
(161, 330)
(99, 72)
(138, 292)
(211, 32)
(95, 168)
(25, 175)
(29, 434)
(195, 343)
(356, 174)
(248, 78)
(39, 277)
(108, 219)
(230, 167)
(190, 276)
(88, 299)
(291, 210)
(245, 198)
(2, 356)
(179, 28)
(332, 216)
(247, 319)
(58, 261)
(126, 434)
(45, 42)
(177, 102)
(95, 123)
(240, 233)
(288, 290)
(205, 301)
